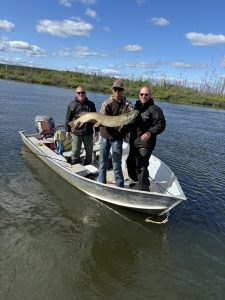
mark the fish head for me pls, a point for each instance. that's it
(132, 115)
(135, 113)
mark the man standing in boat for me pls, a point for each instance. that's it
(83, 134)
(115, 105)
(149, 123)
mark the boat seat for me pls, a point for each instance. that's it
(91, 169)
(77, 169)
(92, 172)
(67, 154)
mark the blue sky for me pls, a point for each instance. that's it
(171, 39)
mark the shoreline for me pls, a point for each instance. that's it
(168, 93)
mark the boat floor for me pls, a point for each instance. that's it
(77, 168)
(89, 171)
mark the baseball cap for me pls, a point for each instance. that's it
(118, 83)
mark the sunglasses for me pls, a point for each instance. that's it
(117, 89)
(80, 93)
(142, 94)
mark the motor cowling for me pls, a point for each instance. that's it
(44, 125)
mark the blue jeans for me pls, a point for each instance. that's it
(117, 151)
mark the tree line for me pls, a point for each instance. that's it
(162, 89)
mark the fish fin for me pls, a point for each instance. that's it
(71, 126)
(78, 125)
(97, 124)
(119, 128)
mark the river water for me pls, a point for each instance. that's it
(58, 243)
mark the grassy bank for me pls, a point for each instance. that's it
(208, 94)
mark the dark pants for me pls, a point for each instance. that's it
(137, 166)
(88, 146)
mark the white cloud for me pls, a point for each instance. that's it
(20, 46)
(6, 25)
(200, 39)
(11, 60)
(184, 65)
(151, 65)
(64, 28)
(132, 48)
(140, 1)
(68, 3)
(15, 61)
(88, 1)
(80, 52)
(91, 13)
(86, 69)
(109, 70)
(159, 21)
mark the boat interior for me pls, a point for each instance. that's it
(162, 180)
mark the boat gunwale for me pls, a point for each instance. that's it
(108, 188)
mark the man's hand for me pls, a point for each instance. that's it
(145, 136)
(67, 135)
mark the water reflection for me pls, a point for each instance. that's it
(101, 245)
(74, 198)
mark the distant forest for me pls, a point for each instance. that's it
(162, 90)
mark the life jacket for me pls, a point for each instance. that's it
(61, 143)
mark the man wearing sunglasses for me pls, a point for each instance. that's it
(115, 105)
(83, 134)
(149, 123)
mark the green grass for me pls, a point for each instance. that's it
(209, 93)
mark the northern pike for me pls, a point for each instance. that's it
(105, 120)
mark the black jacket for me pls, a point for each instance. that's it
(150, 118)
(73, 112)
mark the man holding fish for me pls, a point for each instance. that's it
(84, 133)
(116, 105)
(115, 113)
(148, 119)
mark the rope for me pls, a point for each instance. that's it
(44, 155)
(150, 220)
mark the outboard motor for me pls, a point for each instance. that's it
(44, 125)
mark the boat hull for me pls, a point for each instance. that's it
(147, 202)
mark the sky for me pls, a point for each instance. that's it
(137, 39)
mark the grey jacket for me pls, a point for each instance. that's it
(74, 110)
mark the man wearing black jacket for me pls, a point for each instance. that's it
(149, 123)
(83, 134)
